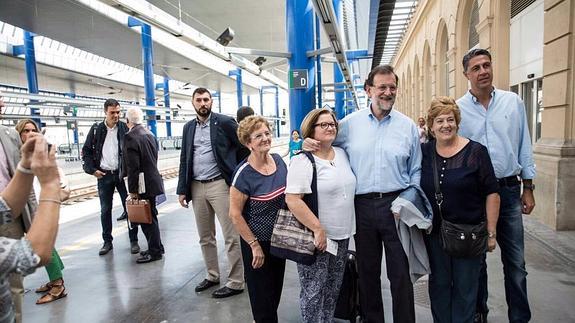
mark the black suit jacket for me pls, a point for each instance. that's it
(141, 155)
(225, 145)
(92, 149)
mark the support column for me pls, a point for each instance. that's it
(299, 35)
(218, 95)
(147, 61)
(31, 74)
(554, 153)
(261, 101)
(277, 111)
(339, 95)
(238, 74)
(167, 105)
(318, 63)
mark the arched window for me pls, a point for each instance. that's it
(442, 62)
(473, 21)
(417, 88)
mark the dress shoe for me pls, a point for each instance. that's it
(205, 284)
(147, 252)
(134, 247)
(147, 258)
(226, 292)
(105, 248)
(122, 217)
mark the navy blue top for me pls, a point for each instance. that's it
(466, 179)
(265, 196)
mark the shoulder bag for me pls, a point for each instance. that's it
(458, 240)
(290, 238)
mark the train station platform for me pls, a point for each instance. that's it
(113, 288)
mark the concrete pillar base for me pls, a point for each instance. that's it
(555, 184)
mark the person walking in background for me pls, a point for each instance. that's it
(295, 143)
(141, 156)
(335, 222)
(9, 157)
(256, 195)
(242, 113)
(54, 289)
(423, 130)
(469, 188)
(497, 120)
(102, 158)
(210, 153)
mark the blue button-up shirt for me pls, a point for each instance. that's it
(385, 155)
(502, 128)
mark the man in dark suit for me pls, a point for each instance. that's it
(210, 150)
(102, 158)
(141, 156)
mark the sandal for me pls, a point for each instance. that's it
(44, 288)
(57, 291)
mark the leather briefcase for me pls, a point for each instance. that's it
(139, 211)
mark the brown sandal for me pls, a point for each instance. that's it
(44, 288)
(57, 291)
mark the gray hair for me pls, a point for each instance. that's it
(135, 115)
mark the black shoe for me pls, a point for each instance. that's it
(134, 247)
(147, 252)
(226, 292)
(205, 284)
(105, 248)
(122, 217)
(147, 258)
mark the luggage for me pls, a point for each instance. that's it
(347, 307)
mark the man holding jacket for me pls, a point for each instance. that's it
(102, 158)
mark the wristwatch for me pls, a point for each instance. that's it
(529, 187)
(491, 234)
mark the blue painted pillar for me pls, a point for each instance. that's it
(31, 74)
(218, 95)
(318, 63)
(74, 114)
(248, 97)
(300, 39)
(238, 74)
(147, 60)
(261, 101)
(167, 105)
(337, 75)
(277, 99)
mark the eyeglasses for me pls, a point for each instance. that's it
(260, 137)
(325, 125)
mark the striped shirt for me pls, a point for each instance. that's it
(266, 196)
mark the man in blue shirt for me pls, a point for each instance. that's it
(497, 119)
(385, 156)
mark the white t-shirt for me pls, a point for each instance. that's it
(336, 191)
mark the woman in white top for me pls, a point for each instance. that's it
(335, 223)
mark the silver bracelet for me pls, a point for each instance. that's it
(23, 169)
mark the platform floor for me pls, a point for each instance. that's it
(113, 288)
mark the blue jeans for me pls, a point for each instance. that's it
(106, 186)
(453, 283)
(511, 243)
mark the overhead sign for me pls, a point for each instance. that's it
(298, 79)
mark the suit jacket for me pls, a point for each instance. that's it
(10, 141)
(226, 147)
(141, 156)
(92, 149)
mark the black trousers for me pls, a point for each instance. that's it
(106, 186)
(375, 224)
(152, 232)
(265, 284)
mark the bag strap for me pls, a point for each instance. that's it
(311, 199)
(438, 194)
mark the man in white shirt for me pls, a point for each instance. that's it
(102, 158)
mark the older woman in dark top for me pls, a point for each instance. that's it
(256, 195)
(469, 189)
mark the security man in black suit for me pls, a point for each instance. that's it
(210, 152)
(102, 158)
(141, 156)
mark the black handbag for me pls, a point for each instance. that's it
(290, 238)
(458, 240)
(347, 306)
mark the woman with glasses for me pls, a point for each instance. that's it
(256, 195)
(335, 222)
(54, 289)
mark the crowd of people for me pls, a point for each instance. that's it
(341, 182)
